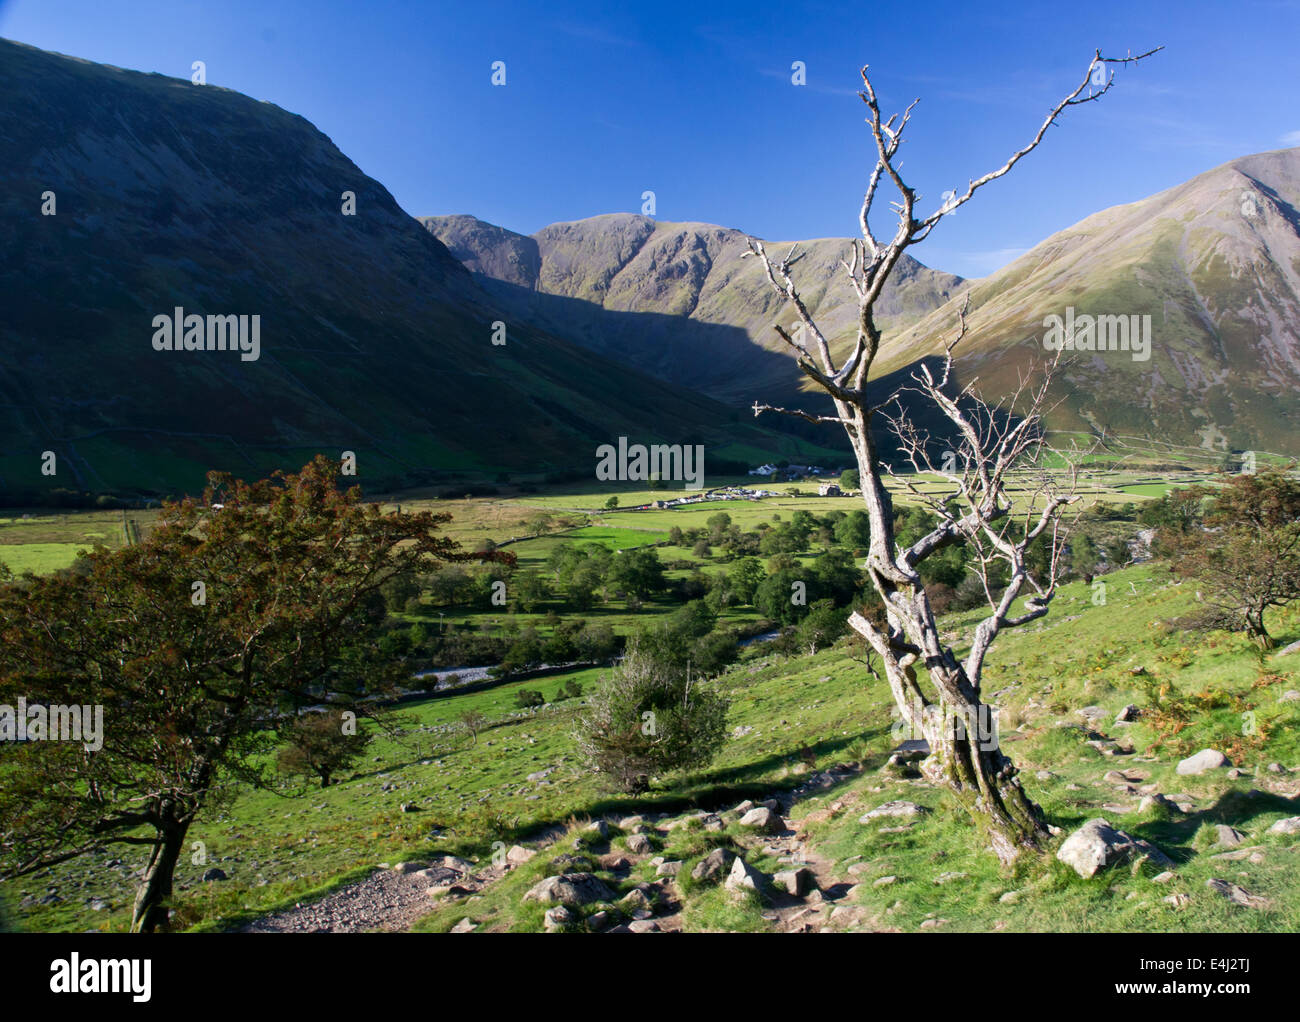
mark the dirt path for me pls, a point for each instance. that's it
(388, 899)
(392, 899)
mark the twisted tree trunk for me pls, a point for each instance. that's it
(152, 909)
(969, 762)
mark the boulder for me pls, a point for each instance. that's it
(1203, 762)
(637, 904)
(712, 868)
(215, 874)
(1237, 895)
(743, 877)
(794, 881)
(1097, 845)
(639, 844)
(570, 890)
(1228, 837)
(897, 809)
(557, 919)
(763, 820)
(457, 863)
(1157, 801)
(518, 855)
(1290, 825)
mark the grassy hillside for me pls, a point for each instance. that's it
(1214, 263)
(373, 338)
(794, 719)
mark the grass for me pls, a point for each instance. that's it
(1197, 690)
(39, 558)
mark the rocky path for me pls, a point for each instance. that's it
(801, 896)
(388, 899)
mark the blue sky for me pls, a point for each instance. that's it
(694, 100)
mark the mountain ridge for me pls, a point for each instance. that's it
(373, 337)
(624, 262)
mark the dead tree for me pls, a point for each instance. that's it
(992, 447)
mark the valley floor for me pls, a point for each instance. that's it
(811, 738)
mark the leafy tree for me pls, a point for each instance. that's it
(717, 525)
(648, 718)
(775, 597)
(322, 744)
(448, 585)
(695, 619)
(195, 683)
(834, 576)
(1247, 557)
(539, 524)
(823, 624)
(524, 653)
(745, 577)
(529, 590)
(1117, 552)
(611, 503)
(854, 530)
(711, 653)
(1084, 556)
(1177, 514)
(638, 572)
(850, 479)
(596, 643)
(399, 591)
(526, 698)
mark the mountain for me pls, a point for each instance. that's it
(373, 338)
(704, 313)
(1214, 262)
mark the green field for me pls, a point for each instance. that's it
(278, 850)
(791, 717)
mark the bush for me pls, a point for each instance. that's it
(526, 698)
(647, 718)
(571, 689)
